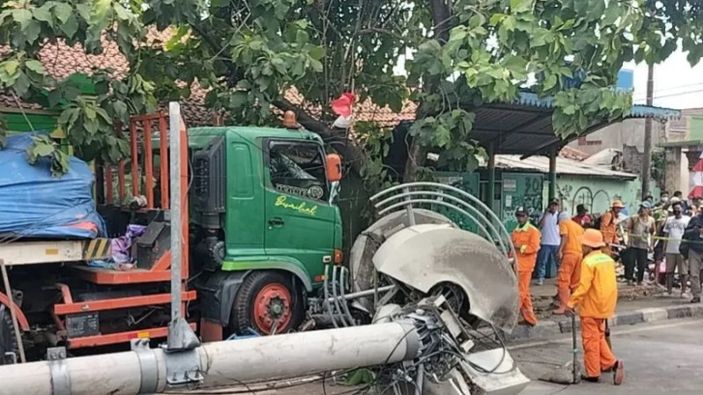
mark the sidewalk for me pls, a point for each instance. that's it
(636, 305)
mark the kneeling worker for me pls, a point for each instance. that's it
(526, 239)
(596, 297)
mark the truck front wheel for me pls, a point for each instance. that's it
(268, 303)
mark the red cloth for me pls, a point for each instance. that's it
(343, 105)
(583, 220)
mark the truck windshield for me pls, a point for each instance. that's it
(298, 169)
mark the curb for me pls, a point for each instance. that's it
(548, 329)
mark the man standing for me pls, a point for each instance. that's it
(679, 196)
(661, 214)
(696, 205)
(596, 297)
(549, 225)
(609, 223)
(674, 229)
(693, 238)
(639, 228)
(570, 255)
(582, 218)
(663, 199)
(526, 242)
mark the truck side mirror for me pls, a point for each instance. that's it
(333, 167)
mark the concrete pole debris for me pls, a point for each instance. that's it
(220, 363)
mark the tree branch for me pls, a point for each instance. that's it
(441, 11)
(351, 153)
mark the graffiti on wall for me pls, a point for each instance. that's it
(521, 190)
(593, 201)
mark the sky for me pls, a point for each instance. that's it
(676, 83)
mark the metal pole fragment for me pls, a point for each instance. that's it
(180, 335)
(174, 112)
(222, 363)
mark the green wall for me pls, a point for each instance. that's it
(530, 190)
(696, 128)
(598, 192)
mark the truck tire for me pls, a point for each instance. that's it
(268, 303)
(8, 343)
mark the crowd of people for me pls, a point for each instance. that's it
(662, 243)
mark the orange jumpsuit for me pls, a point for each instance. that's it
(596, 297)
(526, 239)
(570, 266)
(608, 227)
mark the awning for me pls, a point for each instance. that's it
(524, 127)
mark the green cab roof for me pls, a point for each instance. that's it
(252, 133)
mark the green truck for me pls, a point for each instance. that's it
(263, 212)
(260, 223)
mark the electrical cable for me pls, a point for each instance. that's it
(398, 345)
(226, 389)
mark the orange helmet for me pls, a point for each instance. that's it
(593, 238)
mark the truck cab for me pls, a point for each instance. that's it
(263, 224)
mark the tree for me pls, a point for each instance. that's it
(248, 53)
(26, 27)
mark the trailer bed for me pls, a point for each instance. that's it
(53, 251)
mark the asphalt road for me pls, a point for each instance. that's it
(659, 359)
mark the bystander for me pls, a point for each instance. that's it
(582, 217)
(693, 241)
(674, 229)
(640, 229)
(549, 226)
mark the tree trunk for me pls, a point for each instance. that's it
(441, 11)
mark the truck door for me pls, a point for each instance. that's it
(300, 223)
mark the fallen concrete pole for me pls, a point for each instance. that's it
(147, 370)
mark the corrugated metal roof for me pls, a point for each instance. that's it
(637, 111)
(540, 164)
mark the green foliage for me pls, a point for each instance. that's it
(27, 26)
(360, 376)
(247, 53)
(45, 148)
(573, 47)
(376, 142)
(658, 169)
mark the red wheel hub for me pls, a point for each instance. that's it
(273, 308)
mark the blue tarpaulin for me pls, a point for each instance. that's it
(34, 204)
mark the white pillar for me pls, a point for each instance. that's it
(227, 362)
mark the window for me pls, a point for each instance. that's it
(298, 169)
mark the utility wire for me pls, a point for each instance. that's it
(677, 94)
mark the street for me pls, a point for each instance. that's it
(658, 359)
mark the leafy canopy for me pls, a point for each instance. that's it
(247, 53)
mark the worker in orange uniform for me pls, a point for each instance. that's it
(609, 223)
(570, 255)
(526, 239)
(596, 297)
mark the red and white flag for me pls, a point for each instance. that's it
(343, 106)
(697, 180)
